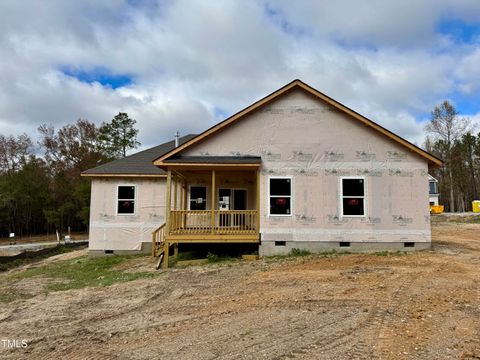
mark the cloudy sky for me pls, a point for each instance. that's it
(185, 65)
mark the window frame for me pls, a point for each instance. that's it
(364, 197)
(291, 196)
(134, 200)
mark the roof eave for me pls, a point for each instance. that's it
(124, 175)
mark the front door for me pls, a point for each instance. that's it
(231, 199)
(239, 199)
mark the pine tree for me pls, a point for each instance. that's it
(119, 135)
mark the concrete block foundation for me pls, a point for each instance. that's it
(272, 248)
(146, 249)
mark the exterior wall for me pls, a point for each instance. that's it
(298, 135)
(125, 233)
(433, 195)
(433, 199)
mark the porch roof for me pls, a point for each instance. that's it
(228, 160)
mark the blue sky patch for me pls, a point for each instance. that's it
(465, 104)
(100, 75)
(280, 20)
(220, 113)
(459, 30)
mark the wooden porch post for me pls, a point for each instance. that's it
(168, 202)
(213, 202)
(175, 251)
(185, 205)
(181, 195)
(258, 201)
(166, 255)
(167, 218)
(185, 196)
(175, 194)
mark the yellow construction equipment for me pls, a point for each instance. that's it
(476, 206)
(436, 209)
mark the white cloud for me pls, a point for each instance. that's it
(189, 58)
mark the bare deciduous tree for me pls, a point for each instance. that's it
(446, 125)
(14, 152)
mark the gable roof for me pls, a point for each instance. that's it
(433, 161)
(138, 164)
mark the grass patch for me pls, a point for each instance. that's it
(11, 296)
(214, 258)
(299, 252)
(303, 253)
(13, 264)
(391, 253)
(457, 219)
(79, 273)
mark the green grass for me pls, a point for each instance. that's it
(13, 264)
(214, 258)
(391, 253)
(74, 274)
(299, 252)
(304, 253)
(13, 295)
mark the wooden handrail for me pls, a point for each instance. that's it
(158, 240)
(234, 222)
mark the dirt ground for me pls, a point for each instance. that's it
(423, 305)
(41, 238)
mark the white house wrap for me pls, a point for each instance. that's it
(351, 186)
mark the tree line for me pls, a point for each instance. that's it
(41, 190)
(452, 138)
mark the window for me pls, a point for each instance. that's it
(433, 187)
(126, 200)
(280, 196)
(198, 198)
(353, 196)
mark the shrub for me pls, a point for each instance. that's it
(213, 258)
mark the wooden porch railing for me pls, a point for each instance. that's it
(158, 241)
(221, 222)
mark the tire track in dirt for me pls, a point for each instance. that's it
(363, 330)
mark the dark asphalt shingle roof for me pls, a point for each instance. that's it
(215, 159)
(140, 163)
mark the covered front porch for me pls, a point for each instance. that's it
(210, 203)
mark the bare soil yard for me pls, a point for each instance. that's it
(423, 305)
(41, 238)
